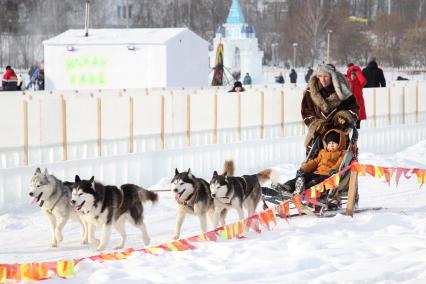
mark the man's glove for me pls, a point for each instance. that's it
(332, 172)
(299, 173)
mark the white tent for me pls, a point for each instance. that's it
(125, 58)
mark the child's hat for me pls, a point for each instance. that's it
(333, 136)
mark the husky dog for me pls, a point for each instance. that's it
(193, 196)
(54, 198)
(237, 192)
(107, 205)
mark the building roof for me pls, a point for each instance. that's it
(235, 15)
(117, 36)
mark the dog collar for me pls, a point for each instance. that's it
(187, 202)
(50, 211)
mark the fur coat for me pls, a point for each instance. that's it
(322, 106)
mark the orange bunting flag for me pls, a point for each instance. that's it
(388, 172)
(370, 170)
(179, 245)
(65, 268)
(13, 272)
(358, 168)
(122, 255)
(421, 176)
(264, 218)
(239, 229)
(154, 250)
(284, 209)
(297, 203)
(187, 244)
(34, 271)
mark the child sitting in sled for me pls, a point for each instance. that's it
(320, 168)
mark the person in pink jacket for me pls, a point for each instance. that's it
(357, 82)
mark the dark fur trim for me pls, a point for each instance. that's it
(311, 130)
(324, 104)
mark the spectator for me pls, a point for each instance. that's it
(293, 76)
(309, 74)
(36, 74)
(374, 75)
(238, 87)
(247, 79)
(280, 78)
(357, 81)
(10, 80)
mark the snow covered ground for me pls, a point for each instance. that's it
(386, 246)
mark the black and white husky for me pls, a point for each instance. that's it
(107, 205)
(193, 196)
(237, 192)
(54, 198)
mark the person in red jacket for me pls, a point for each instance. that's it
(357, 82)
(10, 80)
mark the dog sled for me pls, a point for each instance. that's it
(342, 198)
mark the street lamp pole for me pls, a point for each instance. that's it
(294, 53)
(127, 14)
(328, 45)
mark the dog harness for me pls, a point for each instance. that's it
(187, 202)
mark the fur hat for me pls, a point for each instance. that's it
(340, 83)
(333, 136)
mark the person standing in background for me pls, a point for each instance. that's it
(309, 74)
(293, 76)
(280, 78)
(357, 81)
(374, 75)
(10, 80)
(247, 79)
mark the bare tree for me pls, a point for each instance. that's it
(308, 27)
(389, 30)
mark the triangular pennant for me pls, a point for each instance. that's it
(388, 172)
(358, 168)
(398, 174)
(13, 272)
(378, 171)
(3, 273)
(65, 268)
(421, 176)
(370, 170)
(253, 223)
(153, 250)
(264, 219)
(307, 195)
(297, 203)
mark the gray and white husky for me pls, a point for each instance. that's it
(237, 192)
(54, 198)
(107, 205)
(193, 197)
